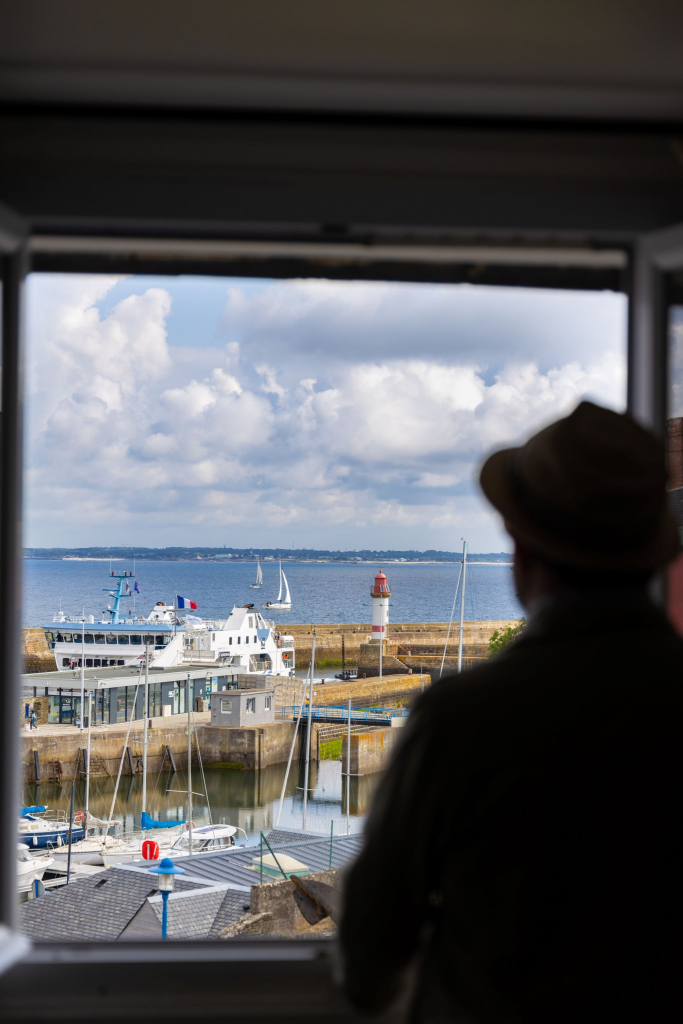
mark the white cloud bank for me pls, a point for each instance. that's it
(286, 435)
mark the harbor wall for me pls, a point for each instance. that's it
(58, 755)
(370, 751)
(405, 641)
(253, 748)
(37, 655)
(370, 690)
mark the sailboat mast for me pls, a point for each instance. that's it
(308, 731)
(462, 602)
(87, 766)
(83, 671)
(145, 711)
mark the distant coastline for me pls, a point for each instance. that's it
(241, 555)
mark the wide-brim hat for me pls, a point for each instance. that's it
(589, 490)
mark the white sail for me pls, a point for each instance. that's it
(279, 593)
(288, 599)
(259, 573)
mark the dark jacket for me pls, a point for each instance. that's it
(524, 846)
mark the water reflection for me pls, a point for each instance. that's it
(246, 799)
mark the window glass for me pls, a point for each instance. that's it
(327, 429)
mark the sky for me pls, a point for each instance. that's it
(298, 413)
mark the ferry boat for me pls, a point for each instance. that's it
(245, 641)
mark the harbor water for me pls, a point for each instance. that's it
(328, 592)
(246, 799)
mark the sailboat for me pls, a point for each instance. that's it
(259, 576)
(285, 604)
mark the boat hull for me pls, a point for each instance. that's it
(58, 837)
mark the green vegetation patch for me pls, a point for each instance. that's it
(331, 750)
(227, 764)
(500, 638)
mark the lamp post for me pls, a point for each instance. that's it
(165, 869)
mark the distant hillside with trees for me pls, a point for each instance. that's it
(215, 554)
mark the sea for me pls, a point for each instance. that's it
(321, 592)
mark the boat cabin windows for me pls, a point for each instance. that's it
(200, 845)
(246, 640)
(99, 638)
(135, 638)
(124, 638)
(111, 638)
(89, 638)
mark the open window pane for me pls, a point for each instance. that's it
(213, 467)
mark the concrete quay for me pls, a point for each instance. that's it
(60, 748)
(56, 751)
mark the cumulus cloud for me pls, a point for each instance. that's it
(331, 414)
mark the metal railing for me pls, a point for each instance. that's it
(339, 713)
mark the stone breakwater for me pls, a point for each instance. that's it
(410, 646)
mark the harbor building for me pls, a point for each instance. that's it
(114, 692)
(244, 707)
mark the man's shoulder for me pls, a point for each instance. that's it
(541, 670)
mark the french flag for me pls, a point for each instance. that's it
(184, 603)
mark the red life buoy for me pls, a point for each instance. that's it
(79, 816)
(150, 850)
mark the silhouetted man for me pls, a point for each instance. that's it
(523, 855)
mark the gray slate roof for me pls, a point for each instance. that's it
(191, 914)
(234, 866)
(96, 908)
(234, 905)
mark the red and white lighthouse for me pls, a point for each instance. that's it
(380, 595)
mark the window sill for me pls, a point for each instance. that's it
(270, 979)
